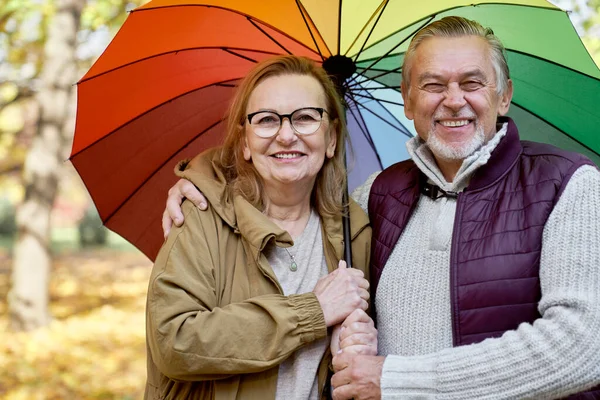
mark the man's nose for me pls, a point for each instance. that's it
(455, 97)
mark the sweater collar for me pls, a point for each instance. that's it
(478, 170)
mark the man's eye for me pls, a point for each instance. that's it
(433, 87)
(469, 86)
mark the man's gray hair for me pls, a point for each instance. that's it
(452, 26)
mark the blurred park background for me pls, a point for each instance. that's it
(72, 293)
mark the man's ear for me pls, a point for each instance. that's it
(505, 99)
(408, 110)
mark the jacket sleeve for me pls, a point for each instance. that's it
(557, 355)
(191, 338)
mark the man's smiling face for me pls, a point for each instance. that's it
(453, 96)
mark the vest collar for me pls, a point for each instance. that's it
(502, 158)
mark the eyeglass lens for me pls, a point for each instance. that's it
(304, 121)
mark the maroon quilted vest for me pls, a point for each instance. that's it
(497, 237)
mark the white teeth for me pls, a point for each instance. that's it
(287, 155)
(455, 123)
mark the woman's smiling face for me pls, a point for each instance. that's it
(287, 157)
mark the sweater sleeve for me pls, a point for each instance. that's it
(192, 338)
(361, 193)
(557, 355)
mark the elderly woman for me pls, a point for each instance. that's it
(241, 295)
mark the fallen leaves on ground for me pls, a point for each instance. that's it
(95, 346)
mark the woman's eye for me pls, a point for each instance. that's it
(304, 117)
(267, 120)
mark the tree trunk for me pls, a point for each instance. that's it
(28, 296)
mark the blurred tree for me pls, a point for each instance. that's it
(591, 26)
(28, 297)
(43, 44)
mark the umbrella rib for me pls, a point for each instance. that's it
(362, 29)
(371, 78)
(301, 9)
(225, 9)
(339, 41)
(365, 134)
(404, 132)
(371, 97)
(155, 171)
(400, 43)
(432, 16)
(371, 31)
(222, 83)
(225, 49)
(556, 127)
(388, 112)
(553, 63)
(267, 35)
(169, 52)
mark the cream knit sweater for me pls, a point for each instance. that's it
(559, 354)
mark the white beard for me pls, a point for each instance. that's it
(445, 151)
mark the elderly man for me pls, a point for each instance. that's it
(486, 249)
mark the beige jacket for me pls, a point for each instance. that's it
(217, 322)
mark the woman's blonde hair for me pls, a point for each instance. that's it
(242, 176)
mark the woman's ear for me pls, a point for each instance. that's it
(245, 149)
(330, 151)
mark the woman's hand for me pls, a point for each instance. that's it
(182, 190)
(341, 292)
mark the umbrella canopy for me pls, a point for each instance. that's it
(160, 90)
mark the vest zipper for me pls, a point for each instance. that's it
(456, 340)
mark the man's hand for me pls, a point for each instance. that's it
(358, 334)
(183, 189)
(357, 377)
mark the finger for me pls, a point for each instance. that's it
(360, 349)
(343, 392)
(342, 265)
(192, 193)
(357, 328)
(363, 305)
(356, 273)
(363, 283)
(364, 294)
(334, 346)
(174, 208)
(166, 224)
(362, 339)
(357, 315)
(340, 362)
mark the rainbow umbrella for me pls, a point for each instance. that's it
(159, 91)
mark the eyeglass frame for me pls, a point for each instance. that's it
(320, 110)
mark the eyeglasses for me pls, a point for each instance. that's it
(304, 121)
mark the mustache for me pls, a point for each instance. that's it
(465, 113)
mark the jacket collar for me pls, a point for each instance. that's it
(204, 172)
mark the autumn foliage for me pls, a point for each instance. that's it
(95, 346)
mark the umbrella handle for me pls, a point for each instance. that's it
(346, 225)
